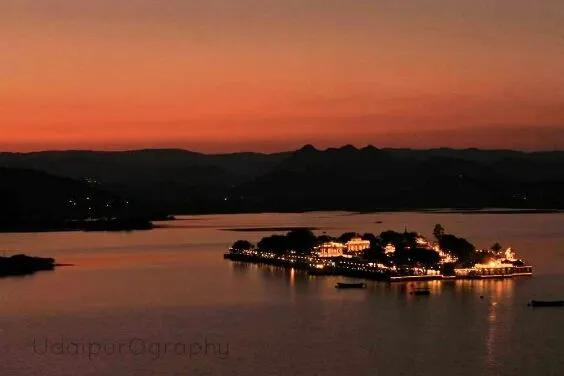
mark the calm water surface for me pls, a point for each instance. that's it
(164, 303)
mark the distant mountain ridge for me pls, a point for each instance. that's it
(345, 178)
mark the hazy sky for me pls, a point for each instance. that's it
(226, 75)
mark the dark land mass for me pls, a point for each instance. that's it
(33, 201)
(346, 178)
(21, 265)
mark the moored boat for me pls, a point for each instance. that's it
(347, 285)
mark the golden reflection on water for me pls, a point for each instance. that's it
(499, 319)
(492, 288)
(292, 277)
(492, 335)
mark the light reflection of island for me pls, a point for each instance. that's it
(499, 322)
(292, 277)
(490, 358)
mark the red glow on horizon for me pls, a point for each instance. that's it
(271, 77)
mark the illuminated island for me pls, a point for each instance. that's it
(390, 256)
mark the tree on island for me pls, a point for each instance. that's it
(242, 245)
(373, 239)
(301, 240)
(400, 240)
(274, 243)
(425, 258)
(496, 248)
(483, 257)
(459, 247)
(347, 236)
(325, 239)
(438, 231)
(375, 254)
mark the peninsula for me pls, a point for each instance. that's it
(34, 201)
(20, 265)
(389, 256)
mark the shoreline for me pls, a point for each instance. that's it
(79, 226)
(152, 224)
(362, 270)
(485, 210)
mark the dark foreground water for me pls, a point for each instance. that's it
(165, 303)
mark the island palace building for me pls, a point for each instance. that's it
(355, 246)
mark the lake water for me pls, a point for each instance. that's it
(165, 303)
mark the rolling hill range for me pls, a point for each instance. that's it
(346, 178)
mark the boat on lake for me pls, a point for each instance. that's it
(349, 285)
(546, 303)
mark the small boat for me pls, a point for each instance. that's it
(422, 291)
(546, 303)
(345, 285)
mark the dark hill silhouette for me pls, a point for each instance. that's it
(33, 200)
(368, 179)
(167, 178)
(334, 179)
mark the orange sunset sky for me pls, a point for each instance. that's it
(266, 75)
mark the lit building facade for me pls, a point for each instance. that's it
(390, 249)
(330, 249)
(510, 255)
(357, 245)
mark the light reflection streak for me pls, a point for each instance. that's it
(498, 321)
